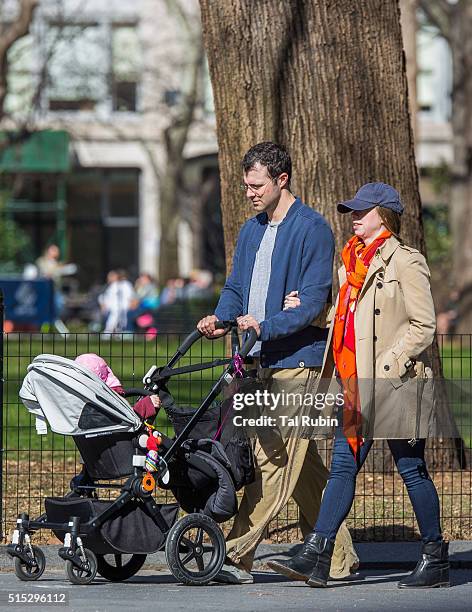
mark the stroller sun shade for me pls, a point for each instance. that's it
(73, 400)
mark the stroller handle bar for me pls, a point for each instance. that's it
(154, 373)
(196, 335)
(133, 391)
(249, 342)
(228, 325)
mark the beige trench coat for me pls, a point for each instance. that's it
(394, 322)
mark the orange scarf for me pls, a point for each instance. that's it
(356, 258)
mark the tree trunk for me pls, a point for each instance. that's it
(409, 24)
(460, 34)
(330, 83)
(454, 22)
(327, 79)
(175, 138)
(169, 215)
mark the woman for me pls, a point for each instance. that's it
(378, 348)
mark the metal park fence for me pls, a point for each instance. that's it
(33, 467)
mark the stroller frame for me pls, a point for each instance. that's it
(81, 563)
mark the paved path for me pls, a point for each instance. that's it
(370, 591)
(373, 555)
(154, 588)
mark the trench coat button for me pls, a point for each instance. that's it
(375, 338)
(379, 285)
(381, 274)
(377, 311)
(386, 368)
(301, 364)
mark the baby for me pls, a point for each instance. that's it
(146, 407)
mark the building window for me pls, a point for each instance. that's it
(77, 68)
(434, 73)
(125, 67)
(86, 64)
(103, 213)
(92, 65)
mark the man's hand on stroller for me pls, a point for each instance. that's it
(206, 326)
(247, 321)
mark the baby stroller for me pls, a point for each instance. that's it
(207, 461)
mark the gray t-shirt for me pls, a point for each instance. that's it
(260, 279)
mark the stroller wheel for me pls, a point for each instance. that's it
(82, 576)
(119, 567)
(195, 549)
(31, 572)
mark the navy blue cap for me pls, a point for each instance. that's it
(373, 194)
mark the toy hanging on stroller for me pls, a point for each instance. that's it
(207, 461)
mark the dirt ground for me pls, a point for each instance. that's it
(381, 510)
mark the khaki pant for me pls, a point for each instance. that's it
(285, 468)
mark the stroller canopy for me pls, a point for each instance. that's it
(73, 400)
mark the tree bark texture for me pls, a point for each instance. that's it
(408, 9)
(328, 80)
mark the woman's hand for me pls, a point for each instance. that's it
(291, 300)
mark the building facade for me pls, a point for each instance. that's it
(113, 75)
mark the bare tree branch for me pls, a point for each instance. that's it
(19, 28)
(179, 128)
(44, 71)
(176, 6)
(446, 7)
(438, 13)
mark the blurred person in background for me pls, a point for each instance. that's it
(116, 301)
(146, 301)
(172, 292)
(147, 293)
(50, 266)
(199, 285)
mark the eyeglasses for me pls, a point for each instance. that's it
(257, 190)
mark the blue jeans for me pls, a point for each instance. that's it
(340, 490)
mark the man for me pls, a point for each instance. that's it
(287, 247)
(50, 266)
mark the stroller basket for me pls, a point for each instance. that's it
(132, 531)
(217, 425)
(107, 456)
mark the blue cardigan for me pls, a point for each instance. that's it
(302, 261)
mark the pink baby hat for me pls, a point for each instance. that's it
(100, 367)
